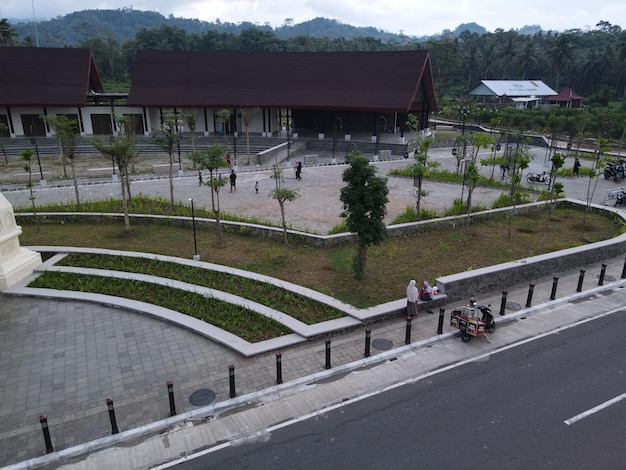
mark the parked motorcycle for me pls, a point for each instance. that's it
(539, 178)
(620, 199)
(472, 320)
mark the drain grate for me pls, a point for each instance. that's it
(202, 397)
(382, 344)
(607, 278)
(513, 306)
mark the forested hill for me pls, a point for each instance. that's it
(123, 24)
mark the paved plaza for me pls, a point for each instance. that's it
(64, 359)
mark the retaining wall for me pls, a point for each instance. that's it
(456, 286)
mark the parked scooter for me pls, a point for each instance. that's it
(620, 199)
(537, 178)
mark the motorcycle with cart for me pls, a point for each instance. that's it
(473, 320)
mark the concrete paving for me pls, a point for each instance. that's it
(64, 358)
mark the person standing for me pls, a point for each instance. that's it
(412, 295)
(298, 170)
(256, 187)
(576, 166)
(199, 178)
(233, 181)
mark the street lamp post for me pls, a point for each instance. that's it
(196, 256)
(351, 146)
(337, 120)
(33, 141)
(288, 139)
(464, 111)
(378, 121)
(179, 137)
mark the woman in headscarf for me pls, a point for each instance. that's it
(412, 296)
(427, 292)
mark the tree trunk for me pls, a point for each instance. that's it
(124, 201)
(218, 225)
(282, 215)
(172, 180)
(75, 184)
(362, 260)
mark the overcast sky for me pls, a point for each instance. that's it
(412, 17)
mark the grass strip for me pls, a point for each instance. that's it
(251, 326)
(302, 308)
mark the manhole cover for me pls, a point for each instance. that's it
(607, 278)
(202, 397)
(513, 306)
(382, 344)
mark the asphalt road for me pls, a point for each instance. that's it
(507, 410)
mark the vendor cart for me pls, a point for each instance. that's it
(472, 321)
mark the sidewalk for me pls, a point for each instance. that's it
(64, 359)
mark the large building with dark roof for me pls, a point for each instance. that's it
(308, 91)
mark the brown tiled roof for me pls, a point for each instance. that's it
(566, 94)
(32, 76)
(365, 81)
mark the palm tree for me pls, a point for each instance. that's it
(527, 59)
(560, 54)
(6, 33)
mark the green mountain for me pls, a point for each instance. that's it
(123, 24)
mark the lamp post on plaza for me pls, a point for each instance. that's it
(33, 141)
(383, 120)
(464, 111)
(459, 151)
(337, 120)
(350, 146)
(288, 139)
(196, 256)
(179, 137)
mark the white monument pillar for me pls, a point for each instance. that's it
(16, 263)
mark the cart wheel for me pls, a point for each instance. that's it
(465, 337)
(492, 326)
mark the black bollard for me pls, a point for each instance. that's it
(368, 336)
(43, 419)
(529, 299)
(581, 278)
(602, 272)
(279, 368)
(555, 283)
(503, 303)
(407, 333)
(114, 428)
(231, 380)
(442, 312)
(624, 270)
(327, 354)
(170, 393)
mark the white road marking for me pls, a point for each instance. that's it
(595, 409)
(391, 387)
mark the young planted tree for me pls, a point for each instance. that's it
(223, 117)
(364, 201)
(27, 155)
(3, 129)
(558, 160)
(282, 195)
(67, 134)
(598, 166)
(246, 115)
(212, 159)
(422, 165)
(190, 120)
(167, 138)
(519, 158)
(122, 150)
